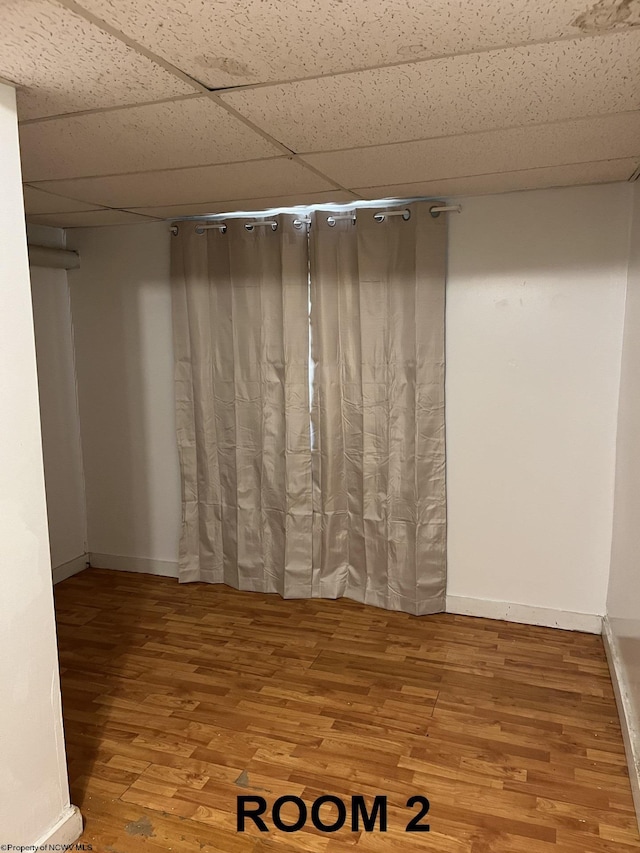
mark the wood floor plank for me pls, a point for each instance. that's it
(180, 698)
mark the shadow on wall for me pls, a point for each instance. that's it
(121, 307)
(63, 467)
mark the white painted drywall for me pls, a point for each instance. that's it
(623, 602)
(535, 303)
(121, 305)
(534, 331)
(34, 795)
(60, 422)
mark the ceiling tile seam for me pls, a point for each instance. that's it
(336, 184)
(65, 197)
(440, 56)
(34, 183)
(33, 217)
(122, 210)
(98, 208)
(248, 123)
(72, 198)
(500, 129)
(135, 213)
(61, 212)
(272, 139)
(111, 109)
(101, 24)
(503, 172)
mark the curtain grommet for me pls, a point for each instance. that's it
(249, 226)
(331, 220)
(383, 214)
(222, 228)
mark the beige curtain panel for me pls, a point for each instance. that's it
(337, 492)
(377, 340)
(241, 341)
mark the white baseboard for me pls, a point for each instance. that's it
(525, 613)
(67, 830)
(72, 567)
(628, 723)
(142, 565)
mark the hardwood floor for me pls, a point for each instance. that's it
(179, 699)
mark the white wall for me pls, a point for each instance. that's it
(535, 304)
(121, 305)
(623, 603)
(60, 423)
(535, 311)
(33, 782)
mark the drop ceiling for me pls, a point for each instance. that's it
(133, 110)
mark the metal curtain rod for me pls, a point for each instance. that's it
(380, 216)
(434, 210)
(222, 226)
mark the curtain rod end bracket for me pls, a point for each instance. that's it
(437, 209)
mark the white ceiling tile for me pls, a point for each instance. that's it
(227, 43)
(258, 178)
(189, 132)
(584, 140)
(89, 218)
(246, 204)
(63, 63)
(502, 88)
(604, 171)
(37, 201)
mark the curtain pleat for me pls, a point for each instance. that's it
(377, 343)
(241, 341)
